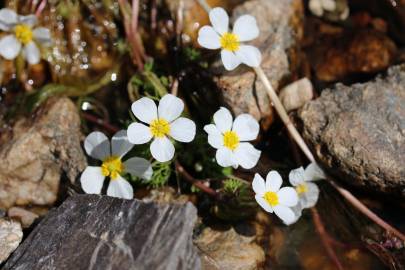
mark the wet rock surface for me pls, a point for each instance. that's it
(358, 132)
(10, 237)
(100, 232)
(37, 152)
(280, 29)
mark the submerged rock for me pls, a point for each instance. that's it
(100, 232)
(37, 152)
(358, 132)
(10, 237)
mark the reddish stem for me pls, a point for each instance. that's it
(40, 8)
(100, 122)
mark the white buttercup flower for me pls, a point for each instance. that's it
(164, 121)
(99, 147)
(24, 37)
(230, 138)
(272, 198)
(233, 52)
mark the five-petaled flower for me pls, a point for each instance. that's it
(99, 147)
(233, 52)
(164, 121)
(23, 35)
(272, 198)
(230, 139)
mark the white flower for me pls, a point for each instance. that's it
(230, 138)
(98, 146)
(233, 52)
(271, 197)
(163, 121)
(23, 36)
(318, 8)
(308, 192)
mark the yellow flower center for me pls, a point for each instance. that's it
(231, 139)
(112, 167)
(301, 188)
(229, 42)
(23, 33)
(159, 127)
(271, 198)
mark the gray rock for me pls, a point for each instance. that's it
(10, 237)
(100, 232)
(358, 132)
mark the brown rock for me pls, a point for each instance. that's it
(25, 217)
(10, 237)
(37, 152)
(296, 94)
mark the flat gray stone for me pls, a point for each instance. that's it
(100, 232)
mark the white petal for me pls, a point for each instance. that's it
(246, 127)
(139, 167)
(120, 188)
(246, 155)
(9, 47)
(215, 137)
(262, 202)
(92, 180)
(246, 28)
(120, 144)
(182, 130)
(219, 20)
(162, 149)
(329, 5)
(31, 53)
(313, 172)
(285, 214)
(170, 107)
(229, 59)
(208, 38)
(97, 145)
(249, 55)
(42, 35)
(8, 18)
(310, 198)
(296, 176)
(225, 157)
(297, 212)
(315, 6)
(211, 129)
(29, 20)
(138, 133)
(223, 119)
(287, 196)
(273, 181)
(145, 110)
(258, 184)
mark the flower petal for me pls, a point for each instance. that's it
(139, 167)
(223, 119)
(215, 138)
(31, 53)
(92, 180)
(120, 188)
(138, 133)
(246, 155)
(219, 20)
(9, 47)
(120, 144)
(310, 198)
(29, 20)
(273, 181)
(229, 59)
(42, 35)
(285, 214)
(225, 157)
(262, 202)
(162, 149)
(208, 38)
(287, 196)
(296, 176)
(145, 110)
(249, 55)
(246, 127)
(170, 107)
(246, 28)
(329, 5)
(182, 129)
(97, 145)
(315, 6)
(313, 172)
(258, 185)
(297, 212)
(8, 18)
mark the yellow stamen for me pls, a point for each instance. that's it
(301, 188)
(231, 139)
(159, 127)
(271, 198)
(23, 33)
(229, 42)
(112, 167)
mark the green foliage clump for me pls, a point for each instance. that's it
(232, 186)
(161, 174)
